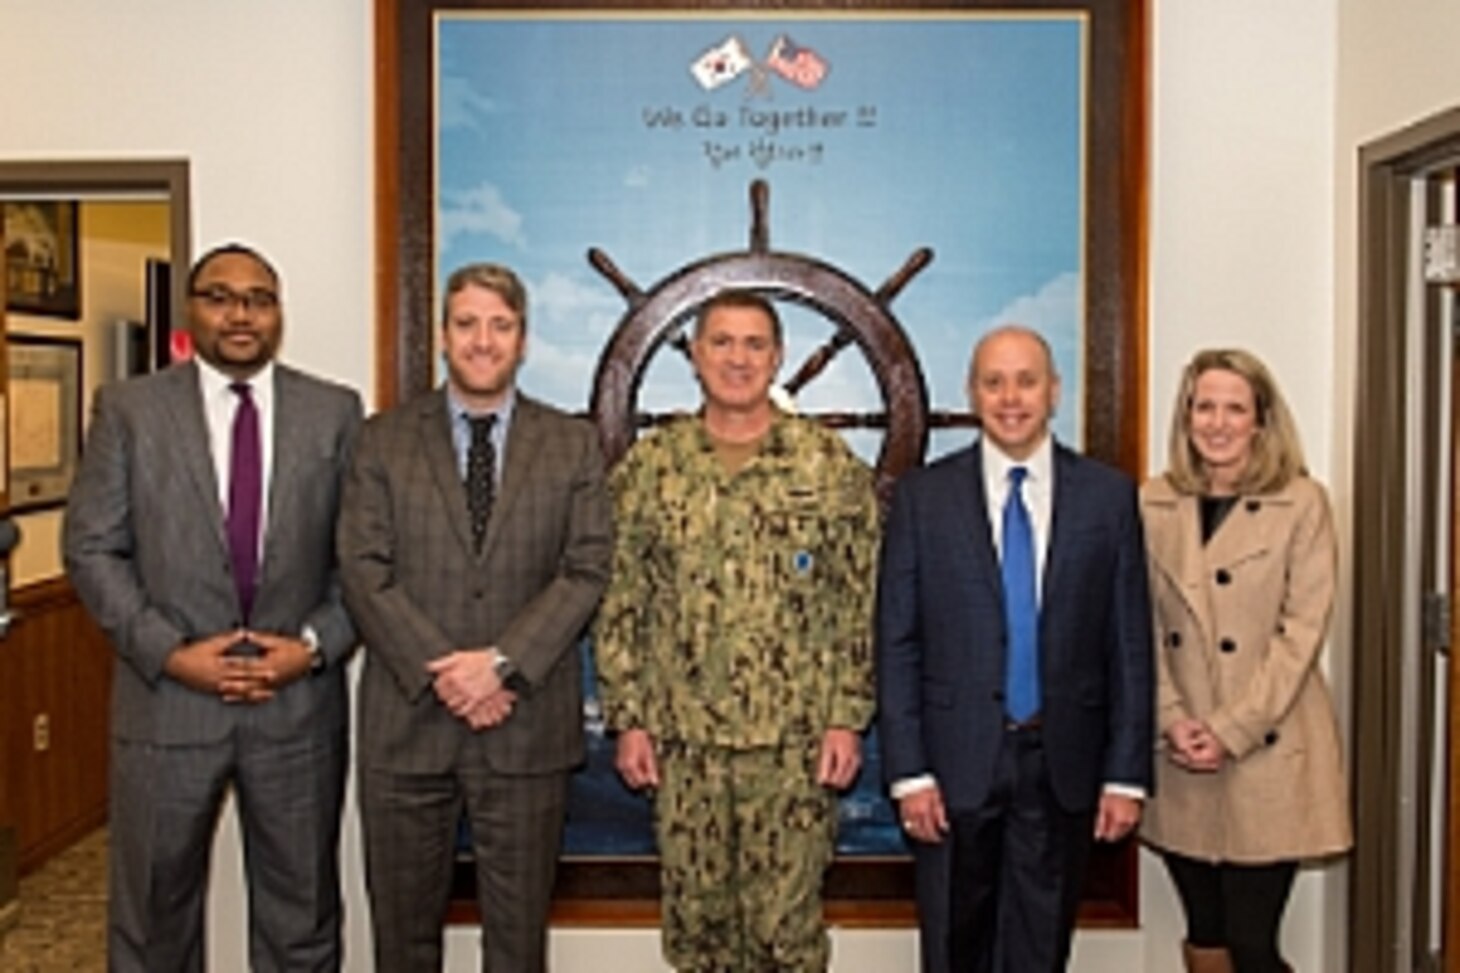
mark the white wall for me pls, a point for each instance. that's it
(270, 101)
(1252, 183)
(1241, 255)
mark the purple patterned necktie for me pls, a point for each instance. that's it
(245, 496)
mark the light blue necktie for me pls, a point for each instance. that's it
(1021, 605)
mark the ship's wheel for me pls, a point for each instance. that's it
(860, 316)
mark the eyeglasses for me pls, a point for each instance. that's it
(220, 298)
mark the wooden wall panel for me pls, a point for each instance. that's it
(55, 662)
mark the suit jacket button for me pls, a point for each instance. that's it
(1253, 506)
(1227, 645)
(478, 594)
(998, 695)
(1270, 738)
(1173, 639)
(1224, 576)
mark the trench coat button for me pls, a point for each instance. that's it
(1224, 576)
(1173, 639)
(1282, 629)
(1227, 645)
(1253, 506)
(1270, 737)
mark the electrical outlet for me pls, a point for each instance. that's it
(41, 733)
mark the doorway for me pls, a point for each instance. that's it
(54, 664)
(1405, 882)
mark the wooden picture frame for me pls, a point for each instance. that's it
(44, 420)
(43, 258)
(864, 890)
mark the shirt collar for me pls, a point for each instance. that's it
(997, 463)
(460, 413)
(215, 383)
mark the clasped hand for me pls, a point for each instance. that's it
(1195, 747)
(213, 666)
(466, 682)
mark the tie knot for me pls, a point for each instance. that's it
(241, 389)
(481, 426)
(1017, 476)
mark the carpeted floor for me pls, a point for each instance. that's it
(61, 925)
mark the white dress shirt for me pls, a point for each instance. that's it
(220, 403)
(1038, 492)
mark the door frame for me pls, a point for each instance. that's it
(1381, 613)
(117, 178)
(83, 179)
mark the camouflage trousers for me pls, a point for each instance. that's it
(745, 837)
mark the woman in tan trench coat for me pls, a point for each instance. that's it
(1242, 558)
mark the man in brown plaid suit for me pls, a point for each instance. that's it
(474, 545)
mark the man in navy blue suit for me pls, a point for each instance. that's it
(1014, 672)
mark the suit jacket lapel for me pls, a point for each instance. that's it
(1064, 494)
(522, 440)
(435, 429)
(288, 447)
(183, 405)
(973, 518)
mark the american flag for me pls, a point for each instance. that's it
(801, 66)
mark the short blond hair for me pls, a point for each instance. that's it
(1277, 453)
(496, 278)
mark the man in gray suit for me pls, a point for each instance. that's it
(474, 545)
(199, 535)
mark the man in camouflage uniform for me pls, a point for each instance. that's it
(734, 654)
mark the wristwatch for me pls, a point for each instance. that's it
(507, 673)
(316, 655)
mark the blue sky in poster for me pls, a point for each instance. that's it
(960, 134)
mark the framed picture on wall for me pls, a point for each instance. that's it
(45, 420)
(991, 148)
(42, 258)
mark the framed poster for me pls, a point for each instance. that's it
(42, 258)
(958, 167)
(45, 420)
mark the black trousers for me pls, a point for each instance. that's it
(1017, 870)
(1234, 907)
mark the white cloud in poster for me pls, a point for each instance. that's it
(1049, 310)
(566, 305)
(480, 210)
(557, 373)
(462, 106)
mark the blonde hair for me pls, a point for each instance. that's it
(1277, 454)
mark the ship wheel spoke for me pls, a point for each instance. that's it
(860, 317)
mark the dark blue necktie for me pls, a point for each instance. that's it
(1021, 605)
(245, 496)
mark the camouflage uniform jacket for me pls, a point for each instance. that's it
(739, 610)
